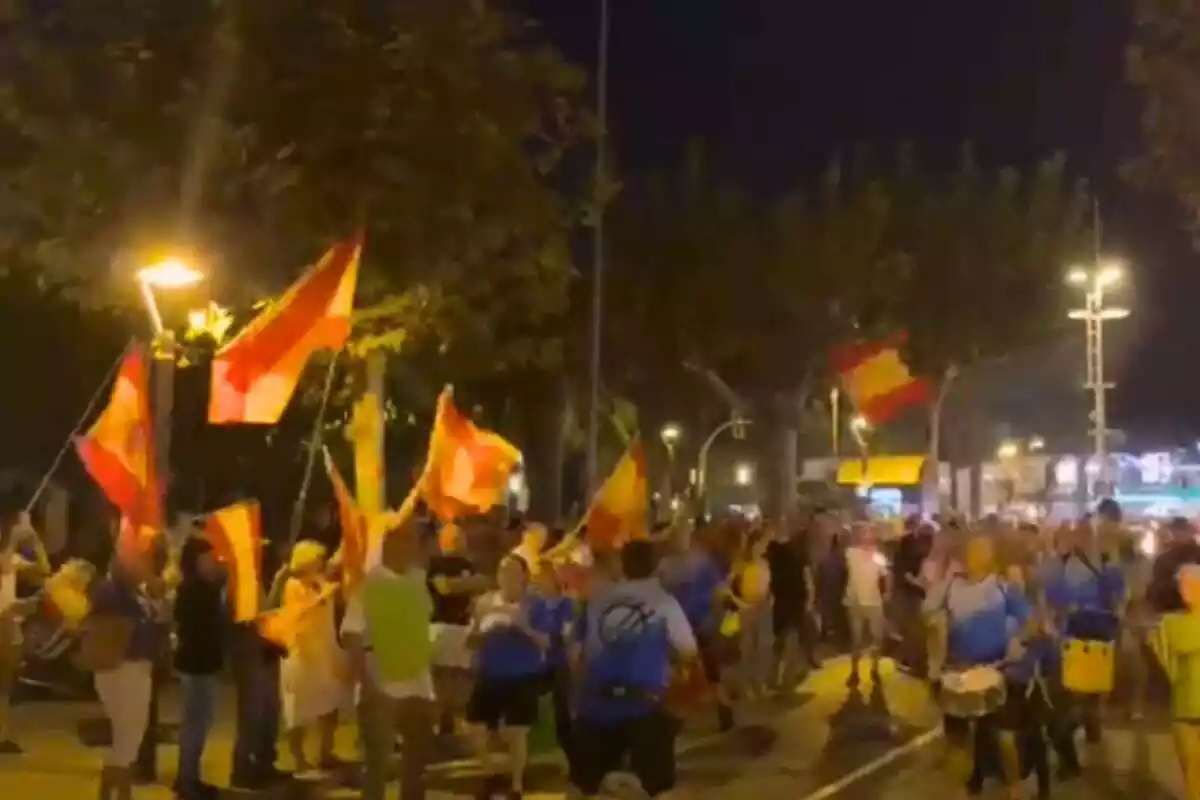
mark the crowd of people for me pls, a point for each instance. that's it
(1021, 633)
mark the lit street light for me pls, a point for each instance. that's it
(743, 474)
(1037, 444)
(1008, 449)
(1094, 314)
(670, 434)
(859, 423)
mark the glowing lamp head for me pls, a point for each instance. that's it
(171, 273)
(859, 423)
(670, 433)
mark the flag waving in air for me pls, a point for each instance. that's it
(255, 375)
(118, 452)
(618, 512)
(877, 380)
(353, 523)
(235, 532)
(468, 468)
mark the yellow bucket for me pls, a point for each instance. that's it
(1087, 666)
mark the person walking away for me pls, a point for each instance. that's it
(866, 579)
(18, 531)
(624, 646)
(393, 663)
(831, 593)
(1086, 594)
(200, 631)
(1176, 644)
(914, 547)
(313, 675)
(792, 591)
(984, 618)
(256, 664)
(118, 644)
(553, 613)
(510, 667)
(752, 597)
(453, 584)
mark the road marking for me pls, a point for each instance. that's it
(871, 767)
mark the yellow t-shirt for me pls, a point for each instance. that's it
(756, 581)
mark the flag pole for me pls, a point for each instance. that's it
(87, 412)
(314, 444)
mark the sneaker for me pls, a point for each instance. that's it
(10, 748)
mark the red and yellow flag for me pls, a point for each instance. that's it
(118, 452)
(235, 533)
(468, 468)
(283, 624)
(355, 533)
(619, 510)
(255, 375)
(877, 380)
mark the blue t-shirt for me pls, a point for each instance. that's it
(550, 615)
(506, 653)
(694, 584)
(117, 598)
(1086, 594)
(628, 633)
(1042, 657)
(983, 618)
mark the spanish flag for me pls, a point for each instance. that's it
(283, 624)
(468, 468)
(118, 452)
(255, 375)
(355, 541)
(235, 533)
(877, 380)
(619, 510)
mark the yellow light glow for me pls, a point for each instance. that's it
(1077, 276)
(859, 423)
(1037, 443)
(1110, 275)
(197, 320)
(671, 433)
(1008, 450)
(171, 273)
(743, 474)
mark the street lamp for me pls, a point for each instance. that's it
(743, 474)
(171, 273)
(1094, 282)
(1008, 449)
(1036, 444)
(670, 434)
(738, 424)
(859, 424)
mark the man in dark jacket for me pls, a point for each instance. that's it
(256, 678)
(200, 625)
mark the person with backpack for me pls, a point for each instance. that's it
(1085, 593)
(624, 645)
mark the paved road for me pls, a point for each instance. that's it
(808, 747)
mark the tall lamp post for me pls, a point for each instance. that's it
(1094, 282)
(593, 428)
(167, 275)
(670, 434)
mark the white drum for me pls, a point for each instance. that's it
(972, 693)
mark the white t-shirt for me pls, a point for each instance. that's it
(354, 623)
(863, 574)
(629, 603)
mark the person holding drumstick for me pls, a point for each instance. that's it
(981, 618)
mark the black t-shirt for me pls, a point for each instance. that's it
(788, 560)
(450, 609)
(910, 554)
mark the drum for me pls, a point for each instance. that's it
(1087, 666)
(972, 693)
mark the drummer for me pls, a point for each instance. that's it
(985, 618)
(1085, 592)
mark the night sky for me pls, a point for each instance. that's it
(775, 87)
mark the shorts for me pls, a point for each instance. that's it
(788, 617)
(601, 748)
(866, 626)
(450, 646)
(508, 702)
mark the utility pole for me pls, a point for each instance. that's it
(601, 180)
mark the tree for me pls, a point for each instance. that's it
(982, 257)
(1162, 62)
(262, 131)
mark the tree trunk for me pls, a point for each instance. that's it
(931, 485)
